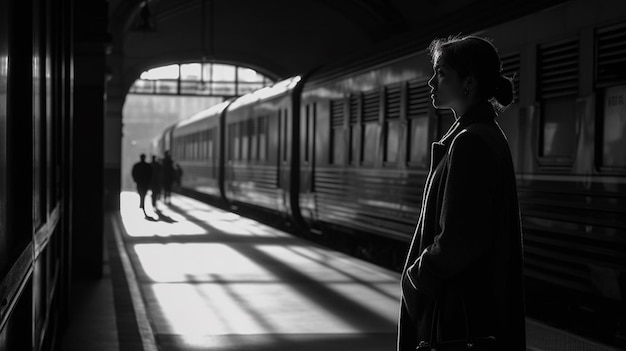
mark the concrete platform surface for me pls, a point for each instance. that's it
(211, 280)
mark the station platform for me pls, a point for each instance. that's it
(194, 277)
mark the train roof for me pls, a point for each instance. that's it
(209, 112)
(267, 92)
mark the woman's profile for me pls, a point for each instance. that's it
(463, 279)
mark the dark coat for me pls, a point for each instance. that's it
(142, 175)
(467, 247)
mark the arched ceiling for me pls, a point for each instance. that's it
(284, 37)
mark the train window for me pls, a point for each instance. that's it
(210, 150)
(234, 141)
(392, 140)
(188, 154)
(254, 139)
(610, 60)
(418, 141)
(307, 130)
(353, 121)
(180, 148)
(354, 141)
(336, 132)
(371, 106)
(418, 104)
(201, 147)
(245, 138)
(371, 128)
(198, 144)
(614, 128)
(337, 146)
(285, 134)
(209, 137)
(558, 88)
(192, 146)
(370, 136)
(262, 138)
(393, 97)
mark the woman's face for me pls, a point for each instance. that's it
(446, 87)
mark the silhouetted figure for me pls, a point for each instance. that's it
(155, 183)
(142, 175)
(464, 270)
(167, 176)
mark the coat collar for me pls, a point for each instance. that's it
(479, 112)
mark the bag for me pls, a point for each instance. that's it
(485, 343)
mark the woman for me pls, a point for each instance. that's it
(463, 279)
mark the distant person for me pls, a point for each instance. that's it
(155, 182)
(142, 175)
(463, 278)
(167, 177)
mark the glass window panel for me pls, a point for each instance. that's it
(245, 147)
(190, 71)
(370, 134)
(254, 147)
(614, 131)
(164, 72)
(224, 73)
(189, 87)
(223, 88)
(262, 147)
(236, 149)
(419, 148)
(337, 146)
(262, 139)
(143, 86)
(166, 87)
(393, 141)
(221, 79)
(249, 75)
(244, 88)
(210, 156)
(354, 144)
(233, 134)
(558, 126)
(207, 72)
(188, 149)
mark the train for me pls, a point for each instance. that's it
(345, 148)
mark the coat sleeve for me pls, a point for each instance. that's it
(466, 216)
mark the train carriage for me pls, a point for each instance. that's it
(196, 146)
(258, 153)
(365, 135)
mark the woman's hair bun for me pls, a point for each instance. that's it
(504, 91)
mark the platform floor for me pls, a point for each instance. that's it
(193, 277)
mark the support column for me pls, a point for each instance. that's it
(90, 37)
